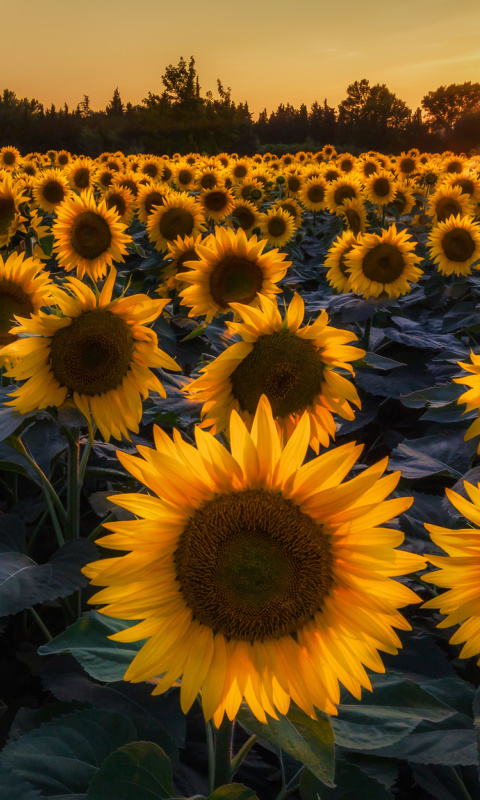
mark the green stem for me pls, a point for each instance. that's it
(211, 757)
(53, 516)
(223, 753)
(73, 501)
(291, 786)
(41, 624)
(83, 461)
(18, 445)
(460, 784)
(236, 762)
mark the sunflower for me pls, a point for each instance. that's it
(181, 250)
(88, 236)
(295, 367)
(404, 199)
(277, 226)
(231, 269)
(10, 158)
(293, 183)
(342, 189)
(104, 178)
(80, 174)
(250, 189)
(63, 158)
(216, 203)
(50, 189)
(338, 274)
(239, 170)
(453, 164)
(383, 265)
(293, 207)
(24, 288)
(368, 166)
(149, 197)
(355, 214)
(179, 215)
(313, 194)
(122, 201)
(458, 571)
(328, 151)
(253, 576)
(472, 396)
(380, 188)
(455, 245)
(152, 167)
(127, 180)
(406, 165)
(244, 215)
(98, 352)
(11, 197)
(208, 177)
(449, 201)
(346, 162)
(184, 176)
(469, 183)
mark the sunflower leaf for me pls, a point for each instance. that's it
(14, 788)
(234, 791)
(351, 782)
(136, 771)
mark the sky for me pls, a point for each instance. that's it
(267, 51)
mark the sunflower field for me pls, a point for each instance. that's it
(239, 476)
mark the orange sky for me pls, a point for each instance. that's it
(267, 52)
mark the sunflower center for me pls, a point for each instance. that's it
(151, 170)
(235, 280)
(293, 183)
(176, 222)
(7, 214)
(383, 263)
(13, 301)
(53, 192)
(400, 201)
(129, 184)
(288, 369)
(93, 354)
(188, 255)
(245, 217)
(240, 171)
(342, 264)
(106, 179)
(346, 165)
(8, 158)
(458, 245)
(381, 187)
(216, 201)
(344, 193)
(447, 206)
(316, 194)
(208, 181)
(185, 176)
(82, 178)
(252, 565)
(454, 166)
(90, 236)
(370, 168)
(466, 185)
(276, 227)
(63, 159)
(153, 199)
(407, 165)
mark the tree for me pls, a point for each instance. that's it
(115, 106)
(83, 108)
(447, 104)
(373, 116)
(181, 83)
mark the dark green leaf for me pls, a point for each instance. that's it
(445, 452)
(14, 788)
(351, 784)
(136, 771)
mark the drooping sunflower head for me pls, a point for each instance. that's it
(127, 180)
(233, 269)
(383, 265)
(24, 288)
(50, 189)
(293, 183)
(88, 237)
(293, 208)
(10, 158)
(254, 576)
(338, 274)
(96, 351)
(294, 367)
(277, 226)
(179, 215)
(355, 214)
(455, 245)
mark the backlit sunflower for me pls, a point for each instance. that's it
(250, 189)
(472, 396)
(88, 237)
(404, 199)
(80, 174)
(181, 250)
(62, 158)
(208, 177)
(24, 288)
(342, 189)
(383, 265)
(380, 188)
(277, 226)
(294, 367)
(293, 207)
(10, 158)
(253, 576)
(216, 203)
(150, 196)
(232, 269)
(180, 215)
(127, 180)
(11, 197)
(453, 164)
(293, 183)
(152, 167)
(244, 215)
(346, 162)
(468, 181)
(338, 274)
(239, 170)
(449, 201)
(355, 214)
(122, 201)
(99, 352)
(184, 176)
(104, 178)
(50, 189)
(367, 166)
(455, 245)
(406, 165)
(459, 572)
(313, 194)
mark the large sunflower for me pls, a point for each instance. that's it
(50, 188)
(340, 190)
(98, 351)
(449, 201)
(277, 226)
(179, 215)
(380, 188)
(88, 236)
(245, 215)
(24, 288)
(231, 269)
(80, 174)
(459, 573)
(313, 194)
(383, 265)
(252, 576)
(216, 203)
(296, 368)
(455, 245)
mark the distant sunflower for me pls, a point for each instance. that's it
(50, 189)
(449, 201)
(216, 203)
(184, 176)
(104, 178)
(99, 352)
(293, 207)
(10, 158)
(231, 269)
(469, 183)
(244, 215)
(296, 368)
(342, 189)
(338, 274)
(453, 164)
(277, 226)
(11, 197)
(458, 572)
(88, 237)
(252, 576)
(380, 188)
(293, 183)
(406, 165)
(24, 288)
(383, 265)
(152, 167)
(80, 174)
(346, 162)
(368, 166)
(313, 194)
(62, 158)
(180, 215)
(239, 170)
(404, 199)
(472, 396)
(250, 189)
(127, 180)
(208, 177)
(328, 151)
(149, 197)
(355, 213)
(122, 201)
(455, 245)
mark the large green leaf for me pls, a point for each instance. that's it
(87, 640)
(351, 782)
(309, 741)
(14, 788)
(136, 771)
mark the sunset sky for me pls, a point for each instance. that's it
(267, 52)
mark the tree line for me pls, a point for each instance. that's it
(180, 119)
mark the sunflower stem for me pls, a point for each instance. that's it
(223, 753)
(242, 753)
(383, 215)
(73, 501)
(16, 443)
(465, 793)
(211, 756)
(41, 624)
